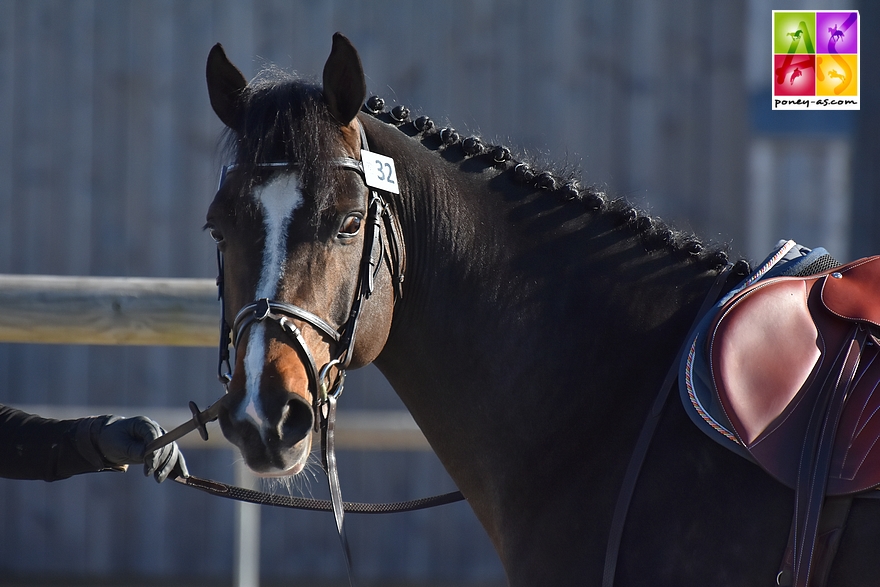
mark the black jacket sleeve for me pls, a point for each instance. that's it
(32, 447)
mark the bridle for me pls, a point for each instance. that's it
(375, 249)
(325, 391)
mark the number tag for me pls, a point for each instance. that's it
(379, 172)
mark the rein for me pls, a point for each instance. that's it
(325, 392)
(637, 458)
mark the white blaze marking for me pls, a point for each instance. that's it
(278, 200)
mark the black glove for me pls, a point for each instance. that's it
(123, 441)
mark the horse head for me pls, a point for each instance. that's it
(301, 239)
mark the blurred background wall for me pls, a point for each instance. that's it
(108, 160)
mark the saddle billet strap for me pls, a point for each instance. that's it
(816, 457)
(835, 511)
(640, 450)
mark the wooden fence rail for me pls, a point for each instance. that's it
(108, 310)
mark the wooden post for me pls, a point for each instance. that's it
(246, 567)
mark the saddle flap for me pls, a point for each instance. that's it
(853, 291)
(763, 349)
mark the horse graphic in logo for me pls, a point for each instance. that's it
(836, 33)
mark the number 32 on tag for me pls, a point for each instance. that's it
(379, 172)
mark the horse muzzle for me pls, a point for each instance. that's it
(275, 441)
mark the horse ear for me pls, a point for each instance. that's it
(225, 85)
(344, 86)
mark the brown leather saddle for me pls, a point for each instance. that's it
(794, 366)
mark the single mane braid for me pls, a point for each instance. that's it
(654, 233)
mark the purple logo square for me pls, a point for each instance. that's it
(837, 32)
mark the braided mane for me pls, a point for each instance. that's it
(654, 233)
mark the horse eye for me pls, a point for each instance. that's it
(351, 226)
(216, 235)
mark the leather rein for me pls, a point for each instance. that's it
(325, 390)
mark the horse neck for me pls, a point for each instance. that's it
(508, 345)
(489, 314)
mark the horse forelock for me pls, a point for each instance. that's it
(285, 119)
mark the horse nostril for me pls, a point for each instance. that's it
(298, 421)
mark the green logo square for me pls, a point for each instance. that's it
(794, 32)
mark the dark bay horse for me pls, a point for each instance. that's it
(525, 321)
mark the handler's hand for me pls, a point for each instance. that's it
(123, 441)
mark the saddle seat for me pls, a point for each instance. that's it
(791, 351)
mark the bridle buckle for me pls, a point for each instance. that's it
(262, 309)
